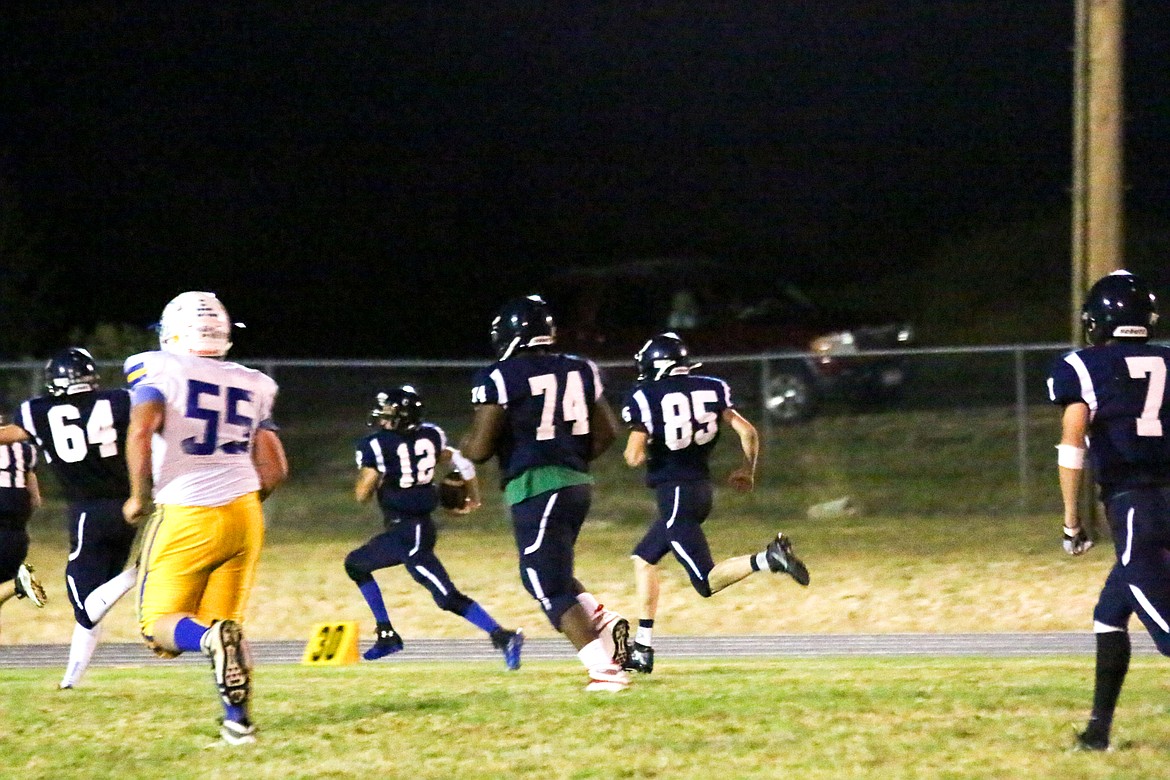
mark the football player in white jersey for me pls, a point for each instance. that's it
(202, 453)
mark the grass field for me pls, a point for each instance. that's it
(902, 565)
(811, 719)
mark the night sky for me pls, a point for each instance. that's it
(371, 179)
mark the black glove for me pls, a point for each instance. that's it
(1076, 541)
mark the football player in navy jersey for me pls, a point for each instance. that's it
(81, 430)
(398, 463)
(544, 415)
(20, 495)
(674, 419)
(1116, 411)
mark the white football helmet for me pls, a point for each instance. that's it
(195, 323)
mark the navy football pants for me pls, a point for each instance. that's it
(1140, 579)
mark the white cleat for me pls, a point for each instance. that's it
(608, 679)
(27, 586)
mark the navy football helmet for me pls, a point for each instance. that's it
(663, 354)
(401, 408)
(70, 371)
(1119, 306)
(521, 323)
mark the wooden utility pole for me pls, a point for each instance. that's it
(1097, 192)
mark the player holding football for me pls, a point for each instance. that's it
(674, 418)
(20, 495)
(397, 462)
(1115, 410)
(544, 416)
(81, 429)
(203, 448)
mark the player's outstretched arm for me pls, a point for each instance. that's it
(744, 477)
(270, 460)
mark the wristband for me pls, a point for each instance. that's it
(1070, 456)
(463, 464)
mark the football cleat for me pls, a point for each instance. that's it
(608, 679)
(27, 586)
(1092, 738)
(614, 632)
(509, 643)
(641, 659)
(781, 559)
(386, 641)
(224, 642)
(237, 732)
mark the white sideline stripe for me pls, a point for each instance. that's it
(432, 578)
(543, 523)
(674, 509)
(1125, 556)
(1149, 608)
(80, 537)
(681, 553)
(534, 579)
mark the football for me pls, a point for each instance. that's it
(453, 491)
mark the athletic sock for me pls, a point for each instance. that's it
(373, 596)
(595, 656)
(104, 596)
(478, 617)
(189, 635)
(760, 561)
(81, 648)
(1113, 651)
(645, 633)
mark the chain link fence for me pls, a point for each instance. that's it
(952, 431)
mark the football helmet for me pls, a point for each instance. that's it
(70, 371)
(520, 323)
(195, 323)
(400, 408)
(663, 354)
(1119, 306)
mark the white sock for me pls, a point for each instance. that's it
(81, 649)
(594, 655)
(644, 636)
(762, 561)
(104, 596)
(589, 603)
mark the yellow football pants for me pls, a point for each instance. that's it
(200, 561)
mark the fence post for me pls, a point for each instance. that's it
(765, 413)
(1022, 427)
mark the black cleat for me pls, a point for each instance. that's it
(781, 559)
(641, 659)
(1092, 739)
(386, 641)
